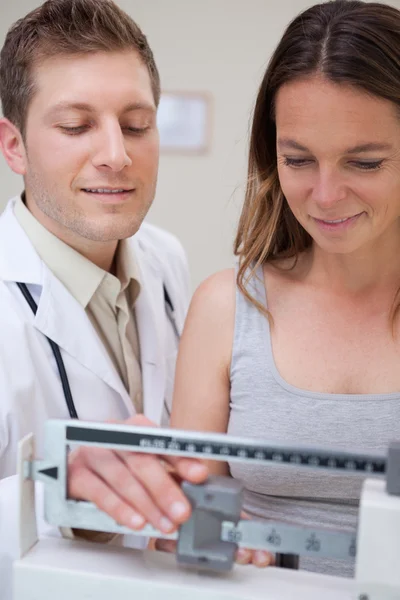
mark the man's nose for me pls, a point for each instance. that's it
(110, 152)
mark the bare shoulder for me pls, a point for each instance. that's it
(211, 313)
(216, 293)
(209, 326)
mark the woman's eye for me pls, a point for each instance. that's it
(359, 164)
(367, 166)
(296, 162)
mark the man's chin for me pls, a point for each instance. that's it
(119, 228)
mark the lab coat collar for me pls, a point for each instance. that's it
(61, 318)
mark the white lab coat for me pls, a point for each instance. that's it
(30, 386)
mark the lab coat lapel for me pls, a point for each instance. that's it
(61, 318)
(150, 317)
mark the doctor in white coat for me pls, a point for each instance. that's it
(31, 391)
(79, 91)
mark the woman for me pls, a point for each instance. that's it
(301, 343)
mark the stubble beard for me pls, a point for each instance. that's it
(65, 215)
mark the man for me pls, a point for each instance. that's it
(79, 91)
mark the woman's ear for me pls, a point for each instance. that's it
(12, 146)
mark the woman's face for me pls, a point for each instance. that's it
(338, 154)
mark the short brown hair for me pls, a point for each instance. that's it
(64, 27)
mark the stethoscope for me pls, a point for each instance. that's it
(169, 309)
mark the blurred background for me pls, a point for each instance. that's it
(215, 47)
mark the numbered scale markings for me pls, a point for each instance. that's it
(223, 447)
(278, 537)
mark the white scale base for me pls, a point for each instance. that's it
(62, 569)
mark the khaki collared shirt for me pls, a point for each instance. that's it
(108, 299)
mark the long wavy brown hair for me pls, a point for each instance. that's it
(345, 41)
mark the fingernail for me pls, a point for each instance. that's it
(165, 524)
(242, 554)
(197, 470)
(137, 521)
(178, 510)
(261, 557)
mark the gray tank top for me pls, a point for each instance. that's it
(264, 406)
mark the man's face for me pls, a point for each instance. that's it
(91, 145)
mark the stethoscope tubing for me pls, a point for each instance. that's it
(57, 355)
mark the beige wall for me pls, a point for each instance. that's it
(217, 46)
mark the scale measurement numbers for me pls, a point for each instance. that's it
(224, 447)
(290, 538)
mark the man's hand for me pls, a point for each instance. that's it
(134, 488)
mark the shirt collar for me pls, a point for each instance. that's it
(127, 270)
(79, 275)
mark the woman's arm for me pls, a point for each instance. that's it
(201, 393)
(202, 382)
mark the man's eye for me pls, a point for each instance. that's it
(82, 128)
(73, 130)
(367, 166)
(296, 162)
(136, 130)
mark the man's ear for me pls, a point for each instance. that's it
(12, 146)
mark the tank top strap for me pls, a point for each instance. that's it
(251, 335)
